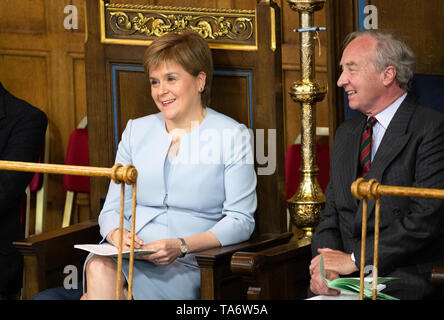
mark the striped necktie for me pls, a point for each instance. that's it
(366, 146)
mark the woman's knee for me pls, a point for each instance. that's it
(101, 266)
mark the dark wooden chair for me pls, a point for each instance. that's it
(247, 85)
(46, 255)
(276, 273)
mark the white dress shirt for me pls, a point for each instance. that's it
(384, 118)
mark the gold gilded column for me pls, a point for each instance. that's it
(308, 201)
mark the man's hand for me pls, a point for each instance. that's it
(334, 260)
(335, 263)
(319, 287)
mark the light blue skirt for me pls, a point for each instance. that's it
(179, 280)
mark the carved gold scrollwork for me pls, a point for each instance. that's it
(120, 21)
(219, 27)
(212, 27)
(129, 24)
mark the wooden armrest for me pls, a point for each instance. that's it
(219, 255)
(46, 255)
(437, 277)
(72, 231)
(253, 262)
(217, 279)
(280, 272)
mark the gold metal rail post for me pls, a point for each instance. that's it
(119, 174)
(308, 201)
(373, 190)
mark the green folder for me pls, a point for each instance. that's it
(353, 284)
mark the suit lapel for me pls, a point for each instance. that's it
(393, 142)
(349, 160)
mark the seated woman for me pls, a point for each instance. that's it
(196, 179)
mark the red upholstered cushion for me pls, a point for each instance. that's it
(36, 182)
(37, 179)
(78, 155)
(293, 164)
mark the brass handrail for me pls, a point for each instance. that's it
(118, 173)
(373, 190)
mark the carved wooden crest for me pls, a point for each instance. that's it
(140, 24)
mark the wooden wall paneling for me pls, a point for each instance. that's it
(420, 26)
(342, 18)
(81, 14)
(125, 79)
(65, 45)
(16, 63)
(36, 29)
(233, 85)
(33, 12)
(133, 95)
(245, 4)
(236, 91)
(268, 91)
(78, 86)
(97, 102)
(224, 4)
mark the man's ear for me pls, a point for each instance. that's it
(389, 75)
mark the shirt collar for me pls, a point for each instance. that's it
(386, 115)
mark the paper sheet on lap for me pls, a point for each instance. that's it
(109, 250)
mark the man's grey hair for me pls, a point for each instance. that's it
(390, 51)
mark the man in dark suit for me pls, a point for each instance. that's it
(403, 145)
(22, 131)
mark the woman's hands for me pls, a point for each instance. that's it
(113, 238)
(167, 250)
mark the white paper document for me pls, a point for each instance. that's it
(109, 250)
(344, 295)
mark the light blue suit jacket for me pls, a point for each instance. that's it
(211, 185)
